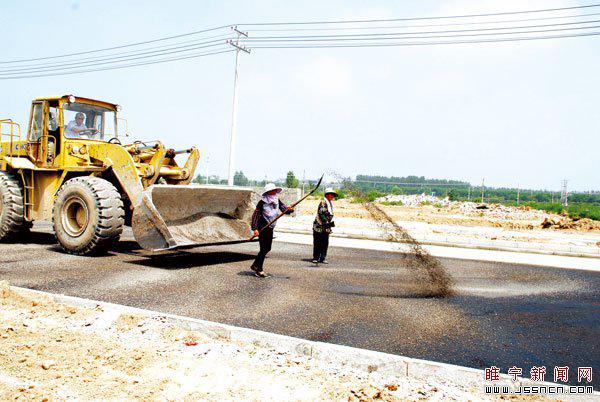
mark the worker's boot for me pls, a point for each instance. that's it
(258, 271)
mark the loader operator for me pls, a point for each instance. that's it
(77, 128)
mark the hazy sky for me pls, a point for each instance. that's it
(519, 112)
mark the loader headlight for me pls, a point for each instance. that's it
(75, 149)
(71, 99)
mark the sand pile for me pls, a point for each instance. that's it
(414, 200)
(52, 351)
(492, 211)
(499, 211)
(584, 224)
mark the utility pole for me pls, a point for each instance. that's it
(518, 193)
(482, 189)
(469, 197)
(235, 102)
(564, 194)
(207, 162)
(303, 181)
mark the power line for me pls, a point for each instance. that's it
(130, 52)
(277, 39)
(296, 23)
(308, 38)
(367, 39)
(423, 25)
(117, 47)
(416, 18)
(195, 45)
(423, 43)
(284, 46)
(122, 66)
(70, 66)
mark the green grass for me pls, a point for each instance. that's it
(398, 203)
(369, 196)
(584, 210)
(575, 211)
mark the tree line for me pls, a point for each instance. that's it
(453, 189)
(464, 191)
(240, 179)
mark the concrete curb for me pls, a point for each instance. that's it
(344, 356)
(456, 245)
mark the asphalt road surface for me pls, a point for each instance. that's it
(501, 314)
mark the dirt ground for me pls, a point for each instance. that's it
(463, 214)
(52, 351)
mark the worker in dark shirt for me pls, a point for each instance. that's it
(267, 209)
(322, 227)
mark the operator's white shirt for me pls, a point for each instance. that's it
(73, 124)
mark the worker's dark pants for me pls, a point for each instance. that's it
(320, 245)
(265, 239)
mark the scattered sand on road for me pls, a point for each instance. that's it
(52, 351)
(438, 283)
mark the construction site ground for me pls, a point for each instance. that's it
(499, 314)
(52, 350)
(462, 224)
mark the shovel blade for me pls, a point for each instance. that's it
(171, 216)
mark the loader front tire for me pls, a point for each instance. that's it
(88, 215)
(12, 220)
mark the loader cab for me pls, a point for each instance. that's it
(43, 138)
(55, 121)
(84, 120)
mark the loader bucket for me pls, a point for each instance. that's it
(172, 216)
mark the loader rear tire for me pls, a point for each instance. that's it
(12, 220)
(88, 215)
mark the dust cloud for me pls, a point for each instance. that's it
(435, 280)
(440, 283)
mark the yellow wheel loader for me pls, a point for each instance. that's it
(72, 168)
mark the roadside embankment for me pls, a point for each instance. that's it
(56, 348)
(494, 228)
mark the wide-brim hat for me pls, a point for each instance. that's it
(330, 190)
(271, 187)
